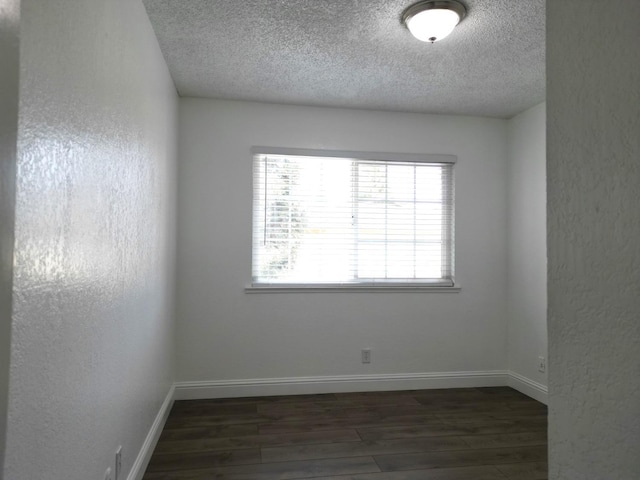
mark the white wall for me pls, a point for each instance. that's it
(527, 246)
(593, 174)
(93, 277)
(9, 25)
(224, 333)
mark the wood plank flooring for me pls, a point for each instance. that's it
(454, 434)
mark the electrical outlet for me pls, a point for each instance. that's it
(118, 462)
(107, 474)
(366, 355)
(542, 364)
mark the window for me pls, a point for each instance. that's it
(345, 218)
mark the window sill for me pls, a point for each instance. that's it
(345, 288)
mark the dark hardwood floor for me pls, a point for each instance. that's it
(453, 434)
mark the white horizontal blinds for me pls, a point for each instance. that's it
(404, 219)
(302, 220)
(342, 220)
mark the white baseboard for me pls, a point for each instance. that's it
(142, 460)
(337, 384)
(527, 386)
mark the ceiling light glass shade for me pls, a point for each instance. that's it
(431, 21)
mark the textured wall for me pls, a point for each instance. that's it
(527, 243)
(9, 24)
(593, 174)
(93, 277)
(225, 333)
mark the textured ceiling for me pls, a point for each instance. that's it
(354, 53)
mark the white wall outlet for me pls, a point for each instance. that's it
(118, 462)
(366, 355)
(108, 475)
(542, 364)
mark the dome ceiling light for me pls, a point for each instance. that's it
(431, 21)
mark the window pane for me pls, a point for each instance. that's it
(400, 222)
(429, 181)
(371, 260)
(428, 260)
(400, 260)
(429, 222)
(371, 181)
(371, 222)
(400, 182)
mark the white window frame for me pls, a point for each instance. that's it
(391, 286)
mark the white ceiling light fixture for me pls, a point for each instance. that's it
(431, 21)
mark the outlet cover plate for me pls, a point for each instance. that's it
(366, 355)
(542, 364)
